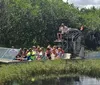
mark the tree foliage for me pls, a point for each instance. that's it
(35, 22)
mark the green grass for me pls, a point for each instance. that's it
(24, 71)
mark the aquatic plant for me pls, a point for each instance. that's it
(22, 71)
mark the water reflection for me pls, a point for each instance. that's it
(93, 55)
(89, 81)
(60, 81)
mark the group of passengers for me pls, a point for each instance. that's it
(38, 53)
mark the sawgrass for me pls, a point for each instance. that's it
(22, 71)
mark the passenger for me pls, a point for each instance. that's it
(34, 49)
(13, 52)
(31, 55)
(49, 46)
(19, 54)
(37, 50)
(53, 54)
(48, 53)
(60, 53)
(24, 53)
(40, 54)
(82, 28)
(55, 51)
(56, 48)
(38, 47)
(62, 29)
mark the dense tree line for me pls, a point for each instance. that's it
(25, 23)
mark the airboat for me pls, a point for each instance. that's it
(72, 43)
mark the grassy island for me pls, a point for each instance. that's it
(22, 71)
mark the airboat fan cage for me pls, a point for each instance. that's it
(72, 41)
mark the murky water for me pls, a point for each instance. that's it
(60, 81)
(93, 55)
(81, 80)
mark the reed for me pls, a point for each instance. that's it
(22, 71)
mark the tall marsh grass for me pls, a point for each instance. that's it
(22, 71)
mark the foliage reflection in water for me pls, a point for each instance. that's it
(93, 55)
(59, 81)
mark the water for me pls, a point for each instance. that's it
(60, 81)
(79, 80)
(69, 81)
(93, 55)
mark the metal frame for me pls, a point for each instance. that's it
(71, 42)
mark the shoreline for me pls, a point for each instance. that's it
(23, 71)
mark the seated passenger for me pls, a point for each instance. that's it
(34, 49)
(53, 54)
(62, 29)
(60, 53)
(31, 55)
(40, 54)
(19, 55)
(24, 53)
(48, 53)
(13, 51)
(49, 46)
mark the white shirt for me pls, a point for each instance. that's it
(63, 29)
(13, 52)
